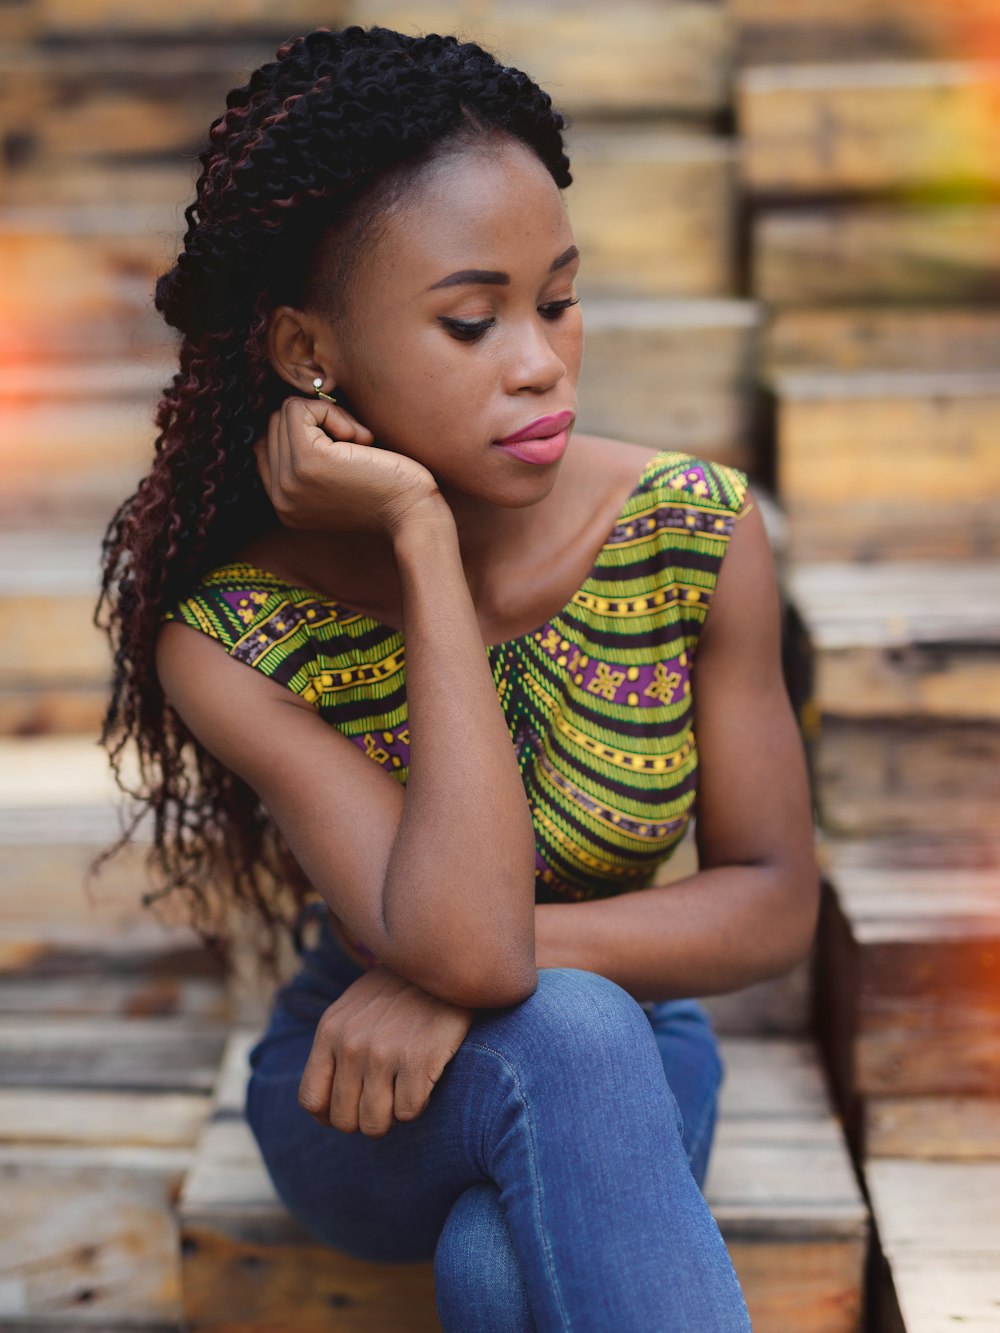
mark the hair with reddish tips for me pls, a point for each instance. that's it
(330, 134)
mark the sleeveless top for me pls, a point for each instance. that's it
(597, 699)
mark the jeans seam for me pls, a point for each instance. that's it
(479, 1045)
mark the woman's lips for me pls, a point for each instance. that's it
(542, 442)
(542, 426)
(546, 450)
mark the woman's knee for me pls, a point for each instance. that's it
(477, 1277)
(573, 1015)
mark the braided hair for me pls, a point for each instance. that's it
(321, 142)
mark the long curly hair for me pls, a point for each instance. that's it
(326, 135)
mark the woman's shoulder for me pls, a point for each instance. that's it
(670, 475)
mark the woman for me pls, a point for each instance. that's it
(365, 475)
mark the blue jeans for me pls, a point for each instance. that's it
(554, 1176)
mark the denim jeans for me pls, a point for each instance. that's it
(554, 1176)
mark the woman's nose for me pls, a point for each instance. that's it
(535, 362)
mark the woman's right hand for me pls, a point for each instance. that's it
(321, 470)
(378, 1052)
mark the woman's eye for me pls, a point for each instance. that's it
(555, 308)
(464, 329)
(469, 330)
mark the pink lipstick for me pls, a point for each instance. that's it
(543, 441)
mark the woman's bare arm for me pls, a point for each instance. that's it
(750, 911)
(436, 878)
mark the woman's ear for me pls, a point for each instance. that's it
(301, 349)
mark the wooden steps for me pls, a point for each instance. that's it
(939, 1234)
(779, 1183)
(652, 207)
(97, 1125)
(68, 947)
(672, 375)
(867, 126)
(878, 252)
(905, 693)
(907, 998)
(880, 465)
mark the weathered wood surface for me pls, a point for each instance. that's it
(653, 210)
(889, 465)
(875, 337)
(907, 998)
(792, 32)
(901, 638)
(176, 1055)
(905, 774)
(88, 1239)
(933, 1127)
(88, 18)
(869, 126)
(671, 375)
(780, 1184)
(893, 253)
(79, 282)
(86, 1117)
(939, 1229)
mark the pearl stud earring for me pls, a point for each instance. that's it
(317, 383)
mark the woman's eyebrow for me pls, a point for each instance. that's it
(492, 277)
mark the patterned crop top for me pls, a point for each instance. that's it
(597, 699)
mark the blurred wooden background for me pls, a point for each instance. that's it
(790, 218)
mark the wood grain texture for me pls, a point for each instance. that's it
(653, 209)
(896, 253)
(881, 337)
(900, 638)
(88, 1239)
(672, 375)
(871, 126)
(889, 465)
(939, 1229)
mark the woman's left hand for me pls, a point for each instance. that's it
(378, 1051)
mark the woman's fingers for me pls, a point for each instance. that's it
(317, 1079)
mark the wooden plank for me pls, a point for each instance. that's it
(653, 210)
(933, 1127)
(939, 1230)
(874, 337)
(860, 473)
(139, 1055)
(157, 993)
(653, 57)
(672, 375)
(87, 1237)
(901, 638)
(906, 993)
(789, 31)
(904, 774)
(88, 18)
(79, 282)
(28, 711)
(876, 252)
(95, 1118)
(871, 126)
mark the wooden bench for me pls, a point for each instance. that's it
(889, 465)
(850, 127)
(780, 1185)
(98, 1121)
(938, 1225)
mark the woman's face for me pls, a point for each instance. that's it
(443, 362)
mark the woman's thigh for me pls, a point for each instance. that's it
(389, 1197)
